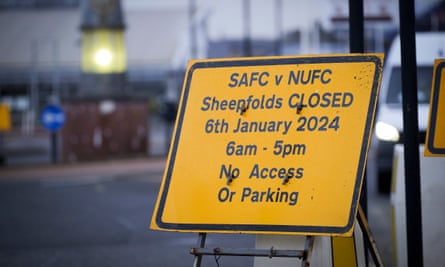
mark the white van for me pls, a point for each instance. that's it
(388, 128)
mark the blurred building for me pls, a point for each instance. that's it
(41, 52)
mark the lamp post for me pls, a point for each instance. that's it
(103, 119)
(103, 49)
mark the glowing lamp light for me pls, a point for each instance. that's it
(103, 51)
(103, 57)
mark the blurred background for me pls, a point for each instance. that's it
(93, 86)
(116, 67)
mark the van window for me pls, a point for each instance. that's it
(424, 78)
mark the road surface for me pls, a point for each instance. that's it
(97, 214)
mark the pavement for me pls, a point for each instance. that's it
(128, 167)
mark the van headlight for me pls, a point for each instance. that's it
(387, 132)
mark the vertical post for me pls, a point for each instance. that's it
(2, 150)
(56, 72)
(279, 27)
(308, 247)
(356, 26)
(55, 98)
(193, 24)
(411, 130)
(34, 89)
(247, 46)
(357, 45)
(201, 244)
(54, 146)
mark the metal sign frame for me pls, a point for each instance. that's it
(436, 97)
(159, 224)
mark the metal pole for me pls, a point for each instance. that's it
(247, 46)
(34, 88)
(56, 72)
(54, 147)
(356, 26)
(278, 27)
(2, 150)
(357, 45)
(411, 130)
(193, 25)
(201, 244)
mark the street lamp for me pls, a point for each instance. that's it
(103, 118)
(103, 49)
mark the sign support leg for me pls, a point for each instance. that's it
(369, 238)
(306, 262)
(304, 255)
(201, 244)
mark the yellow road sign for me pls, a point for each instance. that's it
(270, 145)
(435, 134)
(5, 118)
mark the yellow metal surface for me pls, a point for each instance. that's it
(435, 134)
(344, 251)
(270, 145)
(103, 51)
(5, 118)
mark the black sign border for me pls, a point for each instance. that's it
(268, 228)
